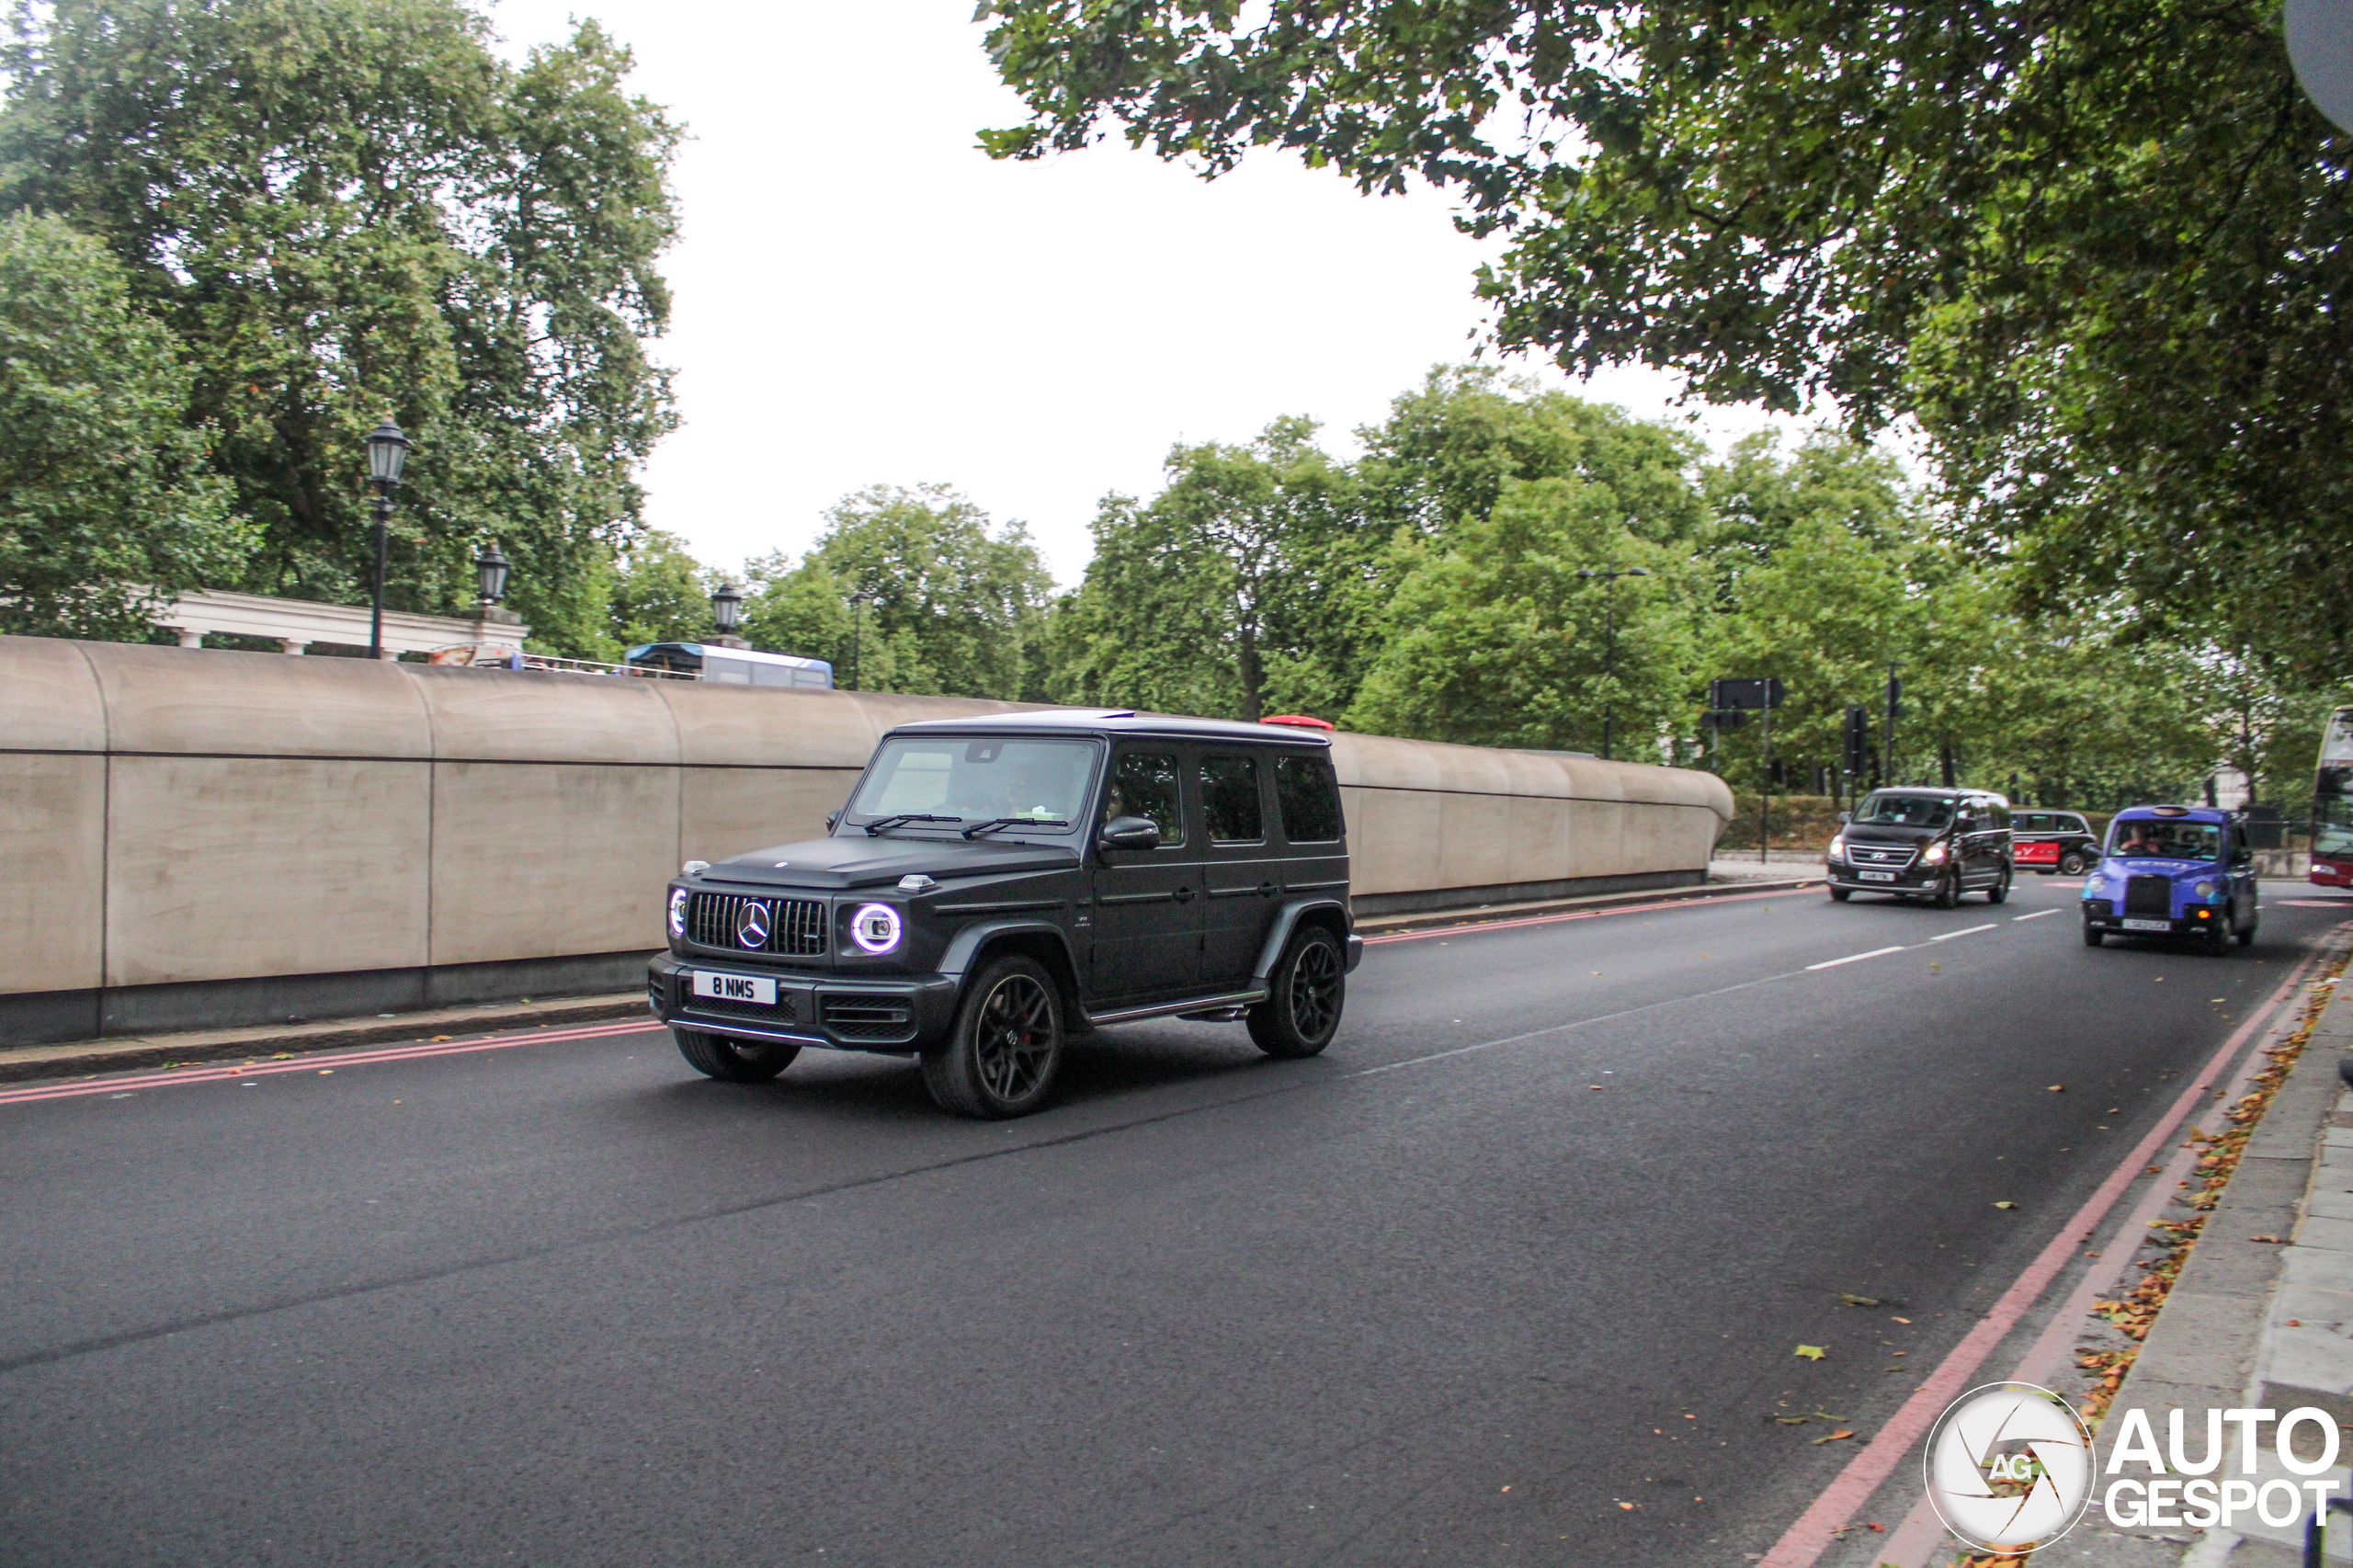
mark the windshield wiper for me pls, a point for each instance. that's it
(995, 823)
(878, 824)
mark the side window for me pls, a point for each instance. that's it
(1309, 795)
(1144, 784)
(1230, 800)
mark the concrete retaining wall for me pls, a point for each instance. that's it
(196, 838)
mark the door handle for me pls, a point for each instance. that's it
(1265, 890)
(1183, 895)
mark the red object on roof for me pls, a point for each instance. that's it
(1304, 721)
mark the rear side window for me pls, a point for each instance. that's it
(2030, 822)
(1230, 800)
(1309, 796)
(1144, 784)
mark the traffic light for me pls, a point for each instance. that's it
(1858, 742)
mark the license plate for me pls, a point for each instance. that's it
(1876, 876)
(2148, 924)
(735, 987)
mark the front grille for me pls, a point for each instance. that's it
(2148, 897)
(796, 926)
(784, 1012)
(1862, 857)
(868, 1018)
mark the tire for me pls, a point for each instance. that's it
(1840, 895)
(2000, 892)
(733, 1061)
(1005, 1052)
(1948, 890)
(2093, 935)
(2224, 937)
(1301, 1012)
(2072, 863)
(2247, 933)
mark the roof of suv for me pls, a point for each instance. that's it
(1118, 721)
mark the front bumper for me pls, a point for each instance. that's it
(895, 1016)
(2195, 920)
(1914, 878)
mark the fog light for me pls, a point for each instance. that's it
(875, 928)
(677, 911)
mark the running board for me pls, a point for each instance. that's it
(1168, 1009)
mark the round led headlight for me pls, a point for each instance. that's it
(2205, 889)
(876, 928)
(677, 911)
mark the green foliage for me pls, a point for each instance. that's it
(660, 593)
(105, 495)
(2098, 252)
(1242, 589)
(955, 608)
(345, 208)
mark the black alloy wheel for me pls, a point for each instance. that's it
(2072, 863)
(732, 1060)
(1005, 1051)
(1301, 1012)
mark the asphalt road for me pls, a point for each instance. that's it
(1432, 1298)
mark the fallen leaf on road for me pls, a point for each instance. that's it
(1790, 1420)
(2005, 1204)
(2155, 1170)
(326, 1072)
(1858, 1301)
(1626, 1506)
(1831, 1438)
(2280, 1239)
(1812, 1352)
(1593, 1086)
(2058, 1088)
(1905, 1321)
(1936, 968)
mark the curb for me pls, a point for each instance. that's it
(1422, 920)
(86, 1058)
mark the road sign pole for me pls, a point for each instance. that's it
(1764, 800)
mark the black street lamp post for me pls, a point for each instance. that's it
(387, 451)
(490, 570)
(1609, 648)
(727, 609)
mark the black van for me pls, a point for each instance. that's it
(1924, 843)
(996, 884)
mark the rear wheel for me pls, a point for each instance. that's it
(1840, 895)
(2072, 863)
(1005, 1051)
(1301, 1012)
(732, 1060)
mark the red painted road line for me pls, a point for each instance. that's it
(1804, 1542)
(1578, 915)
(314, 1063)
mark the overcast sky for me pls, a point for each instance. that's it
(863, 298)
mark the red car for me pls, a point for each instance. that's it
(2044, 842)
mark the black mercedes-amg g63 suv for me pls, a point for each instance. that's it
(995, 885)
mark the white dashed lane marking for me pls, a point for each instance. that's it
(1853, 957)
(2036, 915)
(1964, 931)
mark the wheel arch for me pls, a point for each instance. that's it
(1327, 912)
(1037, 940)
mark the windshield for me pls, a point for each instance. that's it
(2167, 840)
(978, 780)
(1905, 810)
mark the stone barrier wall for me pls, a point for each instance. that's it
(198, 838)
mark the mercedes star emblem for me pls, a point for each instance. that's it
(752, 924)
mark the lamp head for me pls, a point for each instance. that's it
(490, 568)
(727, 606)
(387, 451)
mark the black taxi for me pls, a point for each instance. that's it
(995, 885)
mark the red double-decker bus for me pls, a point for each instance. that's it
(2332, 861)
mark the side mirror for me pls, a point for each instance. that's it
(1846, 816)
(832, 820)
(1130, 833)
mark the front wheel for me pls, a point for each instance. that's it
(1301, 1012)
(1840, 895)
(2247, 934)
(2093, 935)
(2224, 935)
(1005, 1050)
(733, 1061)
(1949, 890)
(2072, 863)
(2000, 890)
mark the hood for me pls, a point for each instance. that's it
(1857, 834)
(860, 861)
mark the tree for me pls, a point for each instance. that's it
(2098, 251)
(106, 498)
(660, 593)
(1239, 590)
(350, 207)
(957, 609)
(1492, 639)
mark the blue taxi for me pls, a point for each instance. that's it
(2173, 871)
